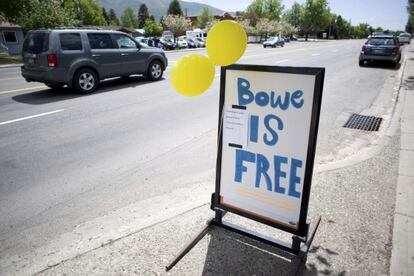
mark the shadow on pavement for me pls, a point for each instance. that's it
(409, 83)
(55, 95)
(232, 254)
(381, 65)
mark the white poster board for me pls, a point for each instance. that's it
(269, 119)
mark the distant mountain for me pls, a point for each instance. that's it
(157, 8)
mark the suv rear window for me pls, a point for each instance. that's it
(36, 43)
(70, 42)
(381, 41)
(100, 41)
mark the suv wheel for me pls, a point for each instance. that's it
(85, 81)
(155, 70)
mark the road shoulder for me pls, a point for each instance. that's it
(402, 260)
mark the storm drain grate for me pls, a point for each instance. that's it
(362, 122)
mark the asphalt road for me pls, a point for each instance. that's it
(67, 159)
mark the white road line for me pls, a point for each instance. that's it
(30, 117)
(9, 79)
(288, 51)
(22, 89)
(314, 55)
(281, 61)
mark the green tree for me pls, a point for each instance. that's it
(294, 16)
(106, 16)
(175, 8)
(152, 28)
(410, 11)
(113, 19)
(316, 16)
(270, 9)
(143, 15)
(177, 24)
(129, 19)
(362, 30)
(35, 14)
(12, 9)
(152, 18)
(88, 12)
(343, 28)
(409, 27)
(204, 17)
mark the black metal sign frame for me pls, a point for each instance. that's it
(319, 73)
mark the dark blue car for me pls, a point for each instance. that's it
(383, 48)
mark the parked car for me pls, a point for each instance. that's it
(404, 38)
(167, 44)
(154, 42)
(200, 42)
(191, 43)
(383, 48)
(273, 42)
(143, 41)
(80, 58)
(182, 43)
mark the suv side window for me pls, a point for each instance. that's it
(125, 42)
(70, 42)
(100, 41)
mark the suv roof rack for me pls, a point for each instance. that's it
(81, 28)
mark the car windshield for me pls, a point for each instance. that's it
(404, 35)
(271, 38)
(377, 41)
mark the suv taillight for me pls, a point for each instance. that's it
(363, 48)
(395, 50)
(52, 60)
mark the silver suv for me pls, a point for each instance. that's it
(80, 58)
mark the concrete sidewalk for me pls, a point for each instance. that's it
(402, 261)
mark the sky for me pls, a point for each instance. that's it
(388, 14)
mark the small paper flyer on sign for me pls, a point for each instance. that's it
(235, 127)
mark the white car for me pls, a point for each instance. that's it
(404, 38)
(200, 42)
(182, 43)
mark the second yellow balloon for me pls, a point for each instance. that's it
(192, 75)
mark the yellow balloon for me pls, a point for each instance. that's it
(192, 75)
(226, 42)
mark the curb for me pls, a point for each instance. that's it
(402, 256)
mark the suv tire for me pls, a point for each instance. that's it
(85, 81)
(155, 70)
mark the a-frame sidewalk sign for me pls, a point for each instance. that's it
(268, 126)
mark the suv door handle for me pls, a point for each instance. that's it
(124, 54)
(96, 55)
